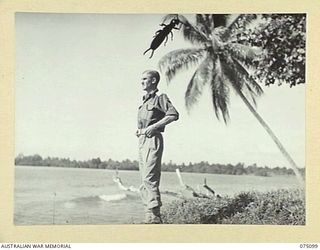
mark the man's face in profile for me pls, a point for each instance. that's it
(147, 81)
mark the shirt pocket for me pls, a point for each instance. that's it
(150, 107)
(155, 113)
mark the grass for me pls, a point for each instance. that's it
(281, 207)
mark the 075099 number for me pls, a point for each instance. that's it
(305, 245)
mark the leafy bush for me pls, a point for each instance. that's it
(282, 207)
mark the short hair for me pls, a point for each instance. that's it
(154, 74)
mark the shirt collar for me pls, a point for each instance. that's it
(149, 95)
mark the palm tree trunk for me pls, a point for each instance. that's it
(274, 138)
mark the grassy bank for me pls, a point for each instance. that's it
(282, 207)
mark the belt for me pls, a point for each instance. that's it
(141, 132)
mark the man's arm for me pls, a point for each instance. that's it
(150, 130)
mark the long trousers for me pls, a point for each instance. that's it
(150, 154)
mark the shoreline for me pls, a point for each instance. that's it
(168, 171)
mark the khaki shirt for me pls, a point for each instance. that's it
(154, 108)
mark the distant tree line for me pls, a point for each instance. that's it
(201, 167)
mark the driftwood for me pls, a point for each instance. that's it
(117, 180)
(133, 189)
(186, 188)
(185, 192)
(208, 188)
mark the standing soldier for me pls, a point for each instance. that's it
(154, 114)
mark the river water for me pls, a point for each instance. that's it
(51, 195)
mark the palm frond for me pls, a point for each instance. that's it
(250, 92)
(230, 74)
(205, 23)
(169, 16)
(209, 23)
(241, 21)
(220, 92)
(200, 77)
(251, 82)
(244, 53)
(180, 59)
(190, 32)
(240, 79)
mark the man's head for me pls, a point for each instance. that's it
(150, 80)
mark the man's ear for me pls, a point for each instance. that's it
(154, 80)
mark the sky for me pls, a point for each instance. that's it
(78, 91)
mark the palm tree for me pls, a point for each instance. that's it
(223, 63)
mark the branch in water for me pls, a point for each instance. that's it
(117, 180)
(186, 190)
